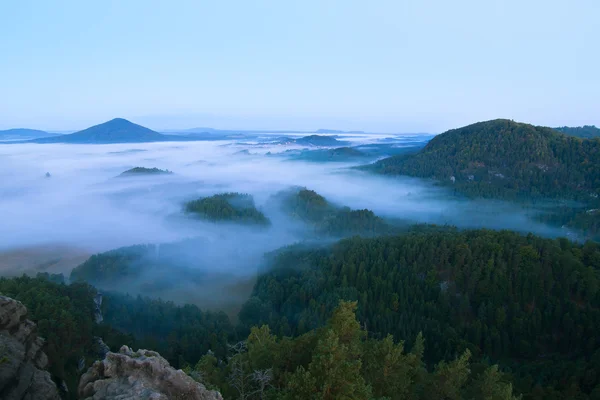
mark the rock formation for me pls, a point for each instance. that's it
(98, 308)
(143, 374)
(22, 361)
(101, 348)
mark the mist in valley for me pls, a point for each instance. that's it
(54, 223)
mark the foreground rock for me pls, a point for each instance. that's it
(22, 361)
(143, 374)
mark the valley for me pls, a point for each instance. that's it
(212, 239)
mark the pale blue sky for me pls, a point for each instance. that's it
(387, 66)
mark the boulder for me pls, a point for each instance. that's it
(22, 361)
(142, 374)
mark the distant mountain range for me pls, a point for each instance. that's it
(24, 134)
(206, 130)
(316, 140)
(335, 131)
(120, 130)
(116, 130)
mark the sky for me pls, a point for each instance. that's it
(378, 66)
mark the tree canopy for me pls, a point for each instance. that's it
(585, 132)
(505, 159)
(235, 207)
(528, 303)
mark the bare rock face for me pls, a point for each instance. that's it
(22, 361)
(143, 374)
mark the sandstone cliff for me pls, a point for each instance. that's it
(22, 361)
(143, 374)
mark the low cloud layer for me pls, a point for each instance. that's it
(82, 205)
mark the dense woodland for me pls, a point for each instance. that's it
(419, 313)
(584, 218)
(65, 318)
(528, 303)
(342, 361)
(468, 298)
(513, 161)
(506, 159)
(181, 334)
(338, 360)
(235, 207)
(113, 265)
(585, 132)
(328, 219)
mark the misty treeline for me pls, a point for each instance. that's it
(236, 207)
(65, 319)
(146, 171)
(326, 218)
(301, 203)
(112, 265)
(322, 217)
(507, 160)
(583, 218)
(585, 132)
(475, 298)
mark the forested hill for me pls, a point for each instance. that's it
(586, 131)
(235, 207)
(326, 218)
(529, 303)
(145, 171)
(505, 159)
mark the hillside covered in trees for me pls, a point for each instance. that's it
(505, 159)
(234, 207)
(435, 309)
(326, 218)
(320, 140)
(154, 268)
(340, 154)
(145, 171)
(65, 319)
(114, 265)
(337, 359)
(342, 361)
(180, 333)
(528, 303)
(585, 132)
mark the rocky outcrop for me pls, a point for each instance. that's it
(101, 348)
(143, 374)
(22, 361)
(98, 308)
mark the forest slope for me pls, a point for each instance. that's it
(529, 303)
(585, 132)
(506, 159)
